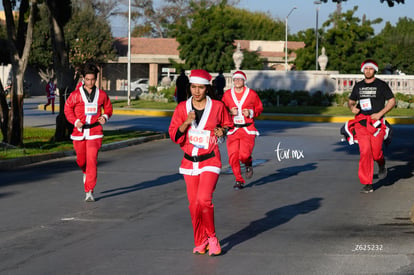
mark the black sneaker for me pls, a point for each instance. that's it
(382, 173)
(367, 188)
(249, 172)
(238, 185)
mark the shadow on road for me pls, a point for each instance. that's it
(395, 173)
(283, 173)
(273, 219)
(140, 186)
(36, 172)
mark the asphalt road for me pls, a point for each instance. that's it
(301, 213)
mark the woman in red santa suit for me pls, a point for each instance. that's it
(244, 105)
(88, 108)
(197, 125)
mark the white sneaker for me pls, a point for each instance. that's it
(89, 197)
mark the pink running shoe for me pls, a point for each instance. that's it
(214, 246)
(202, 248)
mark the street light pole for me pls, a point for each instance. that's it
(129, 53)
(317, 3)
(286, 37)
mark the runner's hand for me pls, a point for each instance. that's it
(102, 120)
(190, 117)
(234, 111)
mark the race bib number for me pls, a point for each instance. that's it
(239, 120)
(365, 104)
(199, 138)
(91, 109)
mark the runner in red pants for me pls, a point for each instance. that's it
(88, 108)
(370, 147)
(244, 105)
(197, 125)
(370, 100)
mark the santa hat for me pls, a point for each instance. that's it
(200, 77)
(369, 63)
(240, 74)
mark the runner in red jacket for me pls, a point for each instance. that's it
(197, 125)
(88, 108)
(50, 94)
(244, 105)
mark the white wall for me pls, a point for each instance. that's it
(312, 81)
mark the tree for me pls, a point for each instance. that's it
(389, 2)
(78, 35)
(90, 13)
(156, 22)
(41, 52)
(257, 25)
(347, 42)
(88, 37)
(397, 48)
(20, 38)
(214, 48)
(305, 59)
(103, 9)
(59, 14)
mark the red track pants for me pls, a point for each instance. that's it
(87, 159)
(239, 148)
(51, 101)
(200, 190)
(370, 149)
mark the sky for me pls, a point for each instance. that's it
(304, 16)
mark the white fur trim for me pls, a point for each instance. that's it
(369, 64)
(195, 172)
(239, 76)
(251, 113)
(199, 80)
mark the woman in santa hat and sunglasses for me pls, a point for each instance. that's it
(244, 105)
(197, 126)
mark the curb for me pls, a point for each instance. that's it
(131, 142)
(22, 161)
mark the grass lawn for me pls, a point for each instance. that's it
(142, 104)
(39, 141)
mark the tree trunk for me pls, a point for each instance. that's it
(64, 74)
(20, 44)
(15, 126)
(4, 114)
(63, 127)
